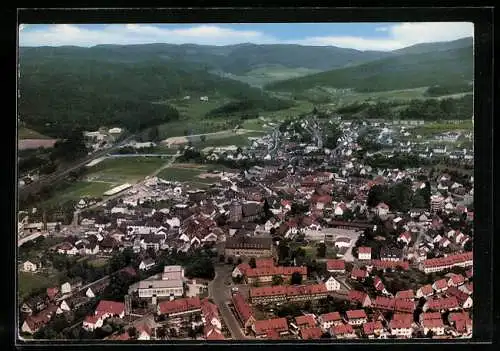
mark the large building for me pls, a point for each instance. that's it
(441, 263)
(266, 274)
(241, 245)
(280, 293)
(170, 285)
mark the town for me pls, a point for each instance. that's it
(320, 228)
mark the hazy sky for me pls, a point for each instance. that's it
(361, 36)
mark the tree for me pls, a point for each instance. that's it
(239, 261)
(230, 260)
(154, 134)
(277, 280)
(203, 138)
(132, 332)
(161, 333)
(296, 278)
(221, 258)
(321, 250)
(251, 262)
(283, 251)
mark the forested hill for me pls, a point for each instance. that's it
(64, 90)
(403, 71)
(235, 59)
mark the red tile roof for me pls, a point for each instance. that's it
(427, 289)
(400, 323)
(358, 273)
(456, 316)
(379, 264)
(264, 262)
(213, 334)
(405, 294)
(402, 317)
(279, 270)
(443, 303)
(364, 250)
(448, 260)
(288, 290)
(92, 319)
(305, 321)
(335, 265)
(331, 317)
(277, 324)
(180, 305)
(461, 325)
(52, 292)
(378, 284)
(370, 327)
(404, 305)
(460, 295)
(430, 315)
(112, 307)
(440, 284)
(384, 303)
(342, 329)
(311, 333)
(457, 279)
(243, 268)
(355, 314)
(357, 296)
(432, 323)
(242, 307)
(272, 335)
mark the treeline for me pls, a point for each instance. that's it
(249, 108)
(399, 197)
(427, 109)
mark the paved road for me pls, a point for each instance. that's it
(51, 178)
(220, 293)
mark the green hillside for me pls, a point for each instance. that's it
(451, 67)
(59, 92)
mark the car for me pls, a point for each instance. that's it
(234, 289)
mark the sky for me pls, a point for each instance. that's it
(359, 36)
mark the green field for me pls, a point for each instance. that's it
(78, 190)
(126, 169)
(29, 282)
(229, 139)
(301, 107)
(26, 133)
(272, 73)
(194, 108)
(181, 174)
(98, 262)
(436, 128)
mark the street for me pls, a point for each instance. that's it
(221, 293)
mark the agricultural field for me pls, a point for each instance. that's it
(29, 282)
(191, 126)
(26, 133)
(117, 171)
(436, 128)
(311, 251)
(78, 190)
(190, 173)
(301, 106)
(272, 73)
(194, 108)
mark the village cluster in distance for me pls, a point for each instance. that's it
(310, 244)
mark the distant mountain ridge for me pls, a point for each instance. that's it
(237, 59)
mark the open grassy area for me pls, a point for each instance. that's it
(181, 174)
(29, 282)
(26, 133)
(126, 169)
(196, 109)
(301, 106)
(225, 140)
(436, 128)
(78, 190)
(98, 262)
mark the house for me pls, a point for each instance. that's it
(335, 266)
(146, 264)
(383, 303)
(373, 329)
(332, 284)
(63, 307)
(435, 325)
(311, 333)
(405, 294)
(306, 321)
(364, 253)
(440, 285)
(67, 249)
(262, 327)
(52, 293)
(382, 209)
(461, 321)
(464, 299)
(66, 288)
(243, 311)
(456, 280)
(356, 296)
(179, 307)
(405, 238)
(342, 331)
(359, 274)
(240, 270)
(29, 266)
(425, 291)
(388, 253)
(144, 332)
(401, 327)
(327, 320)
(429, 315)
(33, 323)
(441, 304)
(404, 306)
(93, 322)
(34, 305)
(467, 288)
(379, 285)
(110, 309)
(356, 317)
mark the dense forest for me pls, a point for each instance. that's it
(428, 109)
(452, 67)
(442, 90)
(249, 108)
(59, 93)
